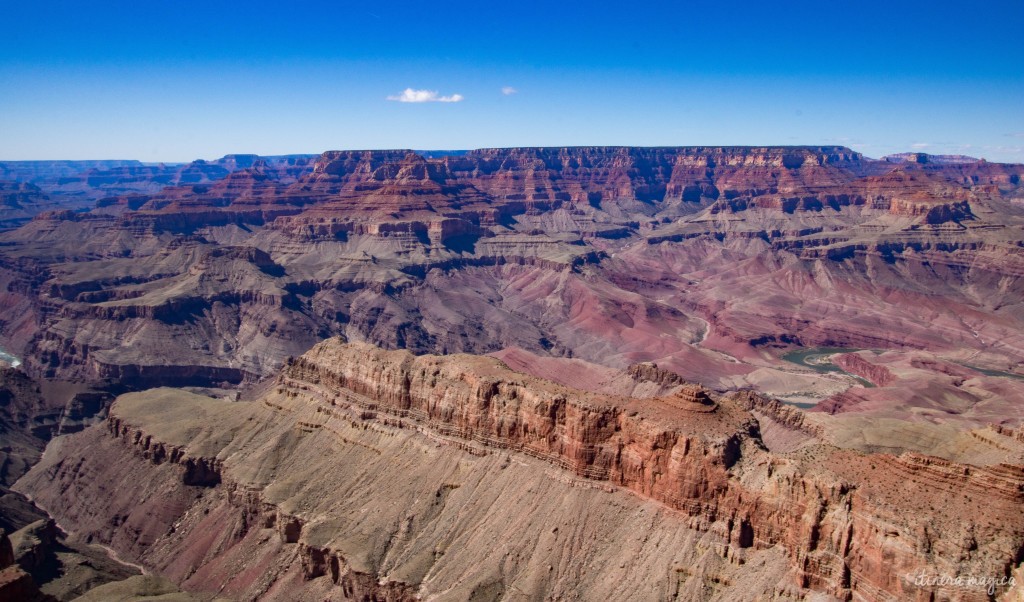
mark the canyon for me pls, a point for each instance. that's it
(516, 373)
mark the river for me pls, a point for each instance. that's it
(819, 359)
(9, 359)
(988, 372)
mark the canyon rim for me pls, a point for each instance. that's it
(575, 373)
(491, 302)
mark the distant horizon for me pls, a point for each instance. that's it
(465, 150)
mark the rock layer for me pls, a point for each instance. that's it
(848, 524)
(617, 270)
(591, 252)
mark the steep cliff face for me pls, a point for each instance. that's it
(284, 493)
(624, 174)
(701, 259)
(873, 373)
(365, 509)
(702, 457)
(25, 424)
(620, 183)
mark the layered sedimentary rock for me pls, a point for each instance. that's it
(712, 262)
(888, 291)
(47, 171)
(20, 202)
(712, 513)
(15, 582)
(28, 188)
(109, 181)
(23, 413)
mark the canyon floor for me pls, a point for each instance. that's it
(690, 373)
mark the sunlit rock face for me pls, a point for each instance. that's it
(710, 261)
(724, 373)
(364, 473)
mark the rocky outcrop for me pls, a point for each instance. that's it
(578, 435)
(196, 471)
(34, 545)
(933, 213)
(650, 372)
(20, 202)
(601, 439)
(852, 525)
(857, 364)
(786, 415)
(15, 582)
(388, 246)
(1013, 433)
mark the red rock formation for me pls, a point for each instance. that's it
(385, 219)
(853, 525)
(603, 439)
(710, 262)
(857, 364)
(15, 582)
(703, 260)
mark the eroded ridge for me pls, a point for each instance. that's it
(345, 423)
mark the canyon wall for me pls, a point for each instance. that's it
(844, 523)
(591, 252)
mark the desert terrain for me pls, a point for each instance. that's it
(695, 373)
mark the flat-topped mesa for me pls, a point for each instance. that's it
(630, 179)
(603, 156)
(618, 181)
(926, 158)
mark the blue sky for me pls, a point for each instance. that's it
(173, 81)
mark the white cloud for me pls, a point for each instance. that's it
(920, 145)
(508, 90)
(410, 95)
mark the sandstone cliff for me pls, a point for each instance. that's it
(589, 252)
(289, 490)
